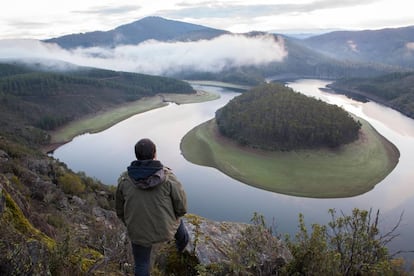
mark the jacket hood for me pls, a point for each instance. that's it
(146, 174)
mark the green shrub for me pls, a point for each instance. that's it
(71, 184)
(56, 221)
(349, 245)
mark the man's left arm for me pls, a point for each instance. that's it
(179, 198)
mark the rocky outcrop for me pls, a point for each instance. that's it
(214, 241)
(221, 248)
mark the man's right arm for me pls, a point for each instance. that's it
(119, 202)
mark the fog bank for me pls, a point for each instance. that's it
(155, 57)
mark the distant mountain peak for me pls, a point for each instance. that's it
(151, 27)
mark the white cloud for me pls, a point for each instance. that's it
(158, 58)
(43, 19)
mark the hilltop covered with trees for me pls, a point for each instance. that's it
(274, 117)
(44, 100)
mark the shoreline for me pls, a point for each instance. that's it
(364, 96)
(97, 122)
(231, 86)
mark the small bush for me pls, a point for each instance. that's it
(56, 221)
(348, 245)
(71, 184)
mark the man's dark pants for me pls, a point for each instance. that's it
(142, 254)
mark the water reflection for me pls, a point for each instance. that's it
(214, 195)
(391, 118)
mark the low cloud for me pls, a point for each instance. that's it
(158, 58)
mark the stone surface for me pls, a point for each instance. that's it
(212, 241)
(3, 156)
(215, 242)
(223, 244)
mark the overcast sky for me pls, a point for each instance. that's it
(43, 19)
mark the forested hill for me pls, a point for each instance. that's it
(394, 90)
(151, 27)
(274, 117)
(393, 46)
(45, 100)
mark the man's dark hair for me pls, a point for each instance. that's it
(145, 149)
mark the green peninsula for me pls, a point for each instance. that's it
(344, 170)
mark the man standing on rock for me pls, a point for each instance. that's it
(150, 201)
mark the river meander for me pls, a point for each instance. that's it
(212, 194)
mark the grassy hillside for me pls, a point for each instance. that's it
(394, 90)
(53, 220)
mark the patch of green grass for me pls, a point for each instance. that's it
(101, 121)
(222, 84)
(350, 170)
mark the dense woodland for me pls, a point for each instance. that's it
(274, 117)
(395, 90)
(43, 100)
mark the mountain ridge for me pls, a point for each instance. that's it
(392, 46)
(152, 27)
(313, 57)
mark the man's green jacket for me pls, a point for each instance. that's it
(150, 200)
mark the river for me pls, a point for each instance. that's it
(212, 194)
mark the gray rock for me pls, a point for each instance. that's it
(226, 245)
(3, 156)
(212, 241)
(37, 252)
(77, 201)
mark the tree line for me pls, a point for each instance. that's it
(49, 84)
(47, 100)
(274, 117)
(395, 90)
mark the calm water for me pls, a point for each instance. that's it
(216, 196)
